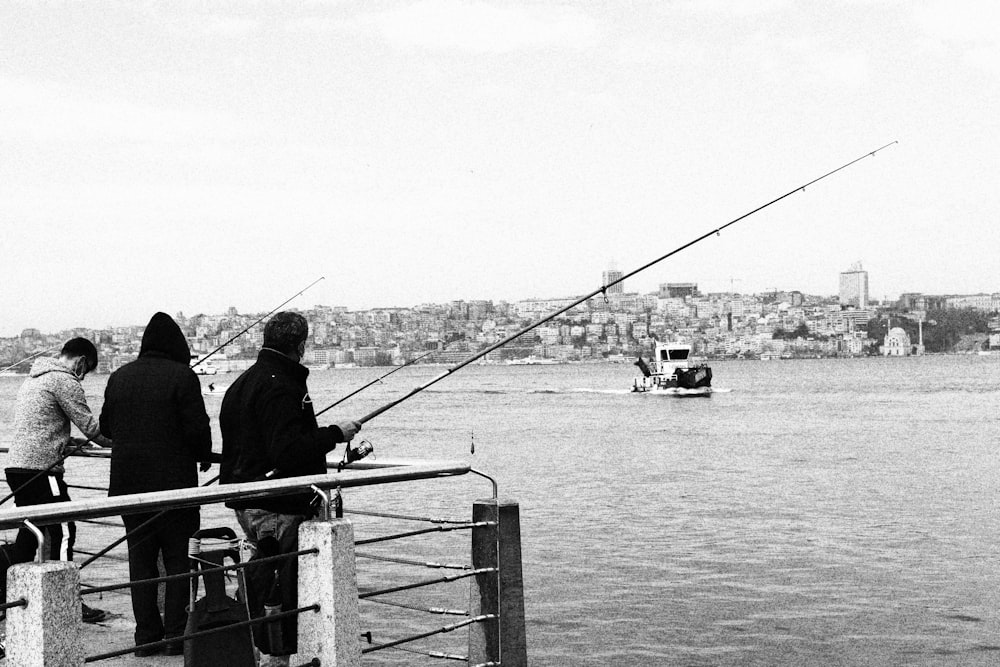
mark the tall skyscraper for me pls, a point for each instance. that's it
(612, 275)
(854, 287)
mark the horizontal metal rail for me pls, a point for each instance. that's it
(216, 457)
(439, 528)
(204, 633)
(192, 497)
(434, 654)
(87, 488)
(20, 602)
(427, 610)
(194, 574)
(419, 563)
(427, 582)
(101, 522)
(406, 517)
(431, 633)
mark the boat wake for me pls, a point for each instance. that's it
(545, 390)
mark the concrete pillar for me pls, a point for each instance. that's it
(503, 592)
(45, 632)
(329, 578)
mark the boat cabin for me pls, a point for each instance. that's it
(670, 356)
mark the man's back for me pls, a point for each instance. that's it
(154, 412)
(268, 426)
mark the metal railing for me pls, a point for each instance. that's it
(355, 475)
(358, 474)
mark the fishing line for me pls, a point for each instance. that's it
(30, 356)
(375, 381)
(299, 293)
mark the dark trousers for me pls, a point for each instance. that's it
(167, 535)
(30, 488)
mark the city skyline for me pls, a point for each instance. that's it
(186, 156)
(294, 305)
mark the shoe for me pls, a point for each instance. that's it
(91, 615)
(147, 652)
(177, 648)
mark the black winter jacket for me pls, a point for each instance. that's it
(155, 414)
(268, 424)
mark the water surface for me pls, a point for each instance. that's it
(822, 512)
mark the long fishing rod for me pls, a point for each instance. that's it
(376, 380)
(603, 289)
(28, 358)
(299, 293)
(159, 514)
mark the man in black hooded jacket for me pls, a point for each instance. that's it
(153, 408)
(269, 430)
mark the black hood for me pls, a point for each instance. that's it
(164, 336)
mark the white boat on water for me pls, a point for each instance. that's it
(672, 372)
(531, 360)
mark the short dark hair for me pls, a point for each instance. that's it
(81, 347)
(285, 331)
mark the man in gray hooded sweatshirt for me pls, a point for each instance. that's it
(48, 401)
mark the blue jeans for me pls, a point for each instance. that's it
(271, 534)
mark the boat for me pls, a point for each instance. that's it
(672, 372)
(532, 360)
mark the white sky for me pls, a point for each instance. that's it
(192, 156)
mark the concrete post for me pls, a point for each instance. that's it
(329, 578)
(45, 632)
(500, 546)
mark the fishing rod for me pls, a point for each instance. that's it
(29, 357)
(299, 293)
(603, 289)
(376, 380)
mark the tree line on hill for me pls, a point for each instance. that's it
(943, 329)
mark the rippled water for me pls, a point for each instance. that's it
(822, 512)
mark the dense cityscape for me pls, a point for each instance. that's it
(615, 325)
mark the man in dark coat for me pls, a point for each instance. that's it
(154, 411)
(269, 430)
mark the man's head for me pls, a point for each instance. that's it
(81, 354)
(286, 332)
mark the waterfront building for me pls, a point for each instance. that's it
(610, 276)
(984, 302)
(897, 343)
(678, 290)
(854, 287)
(532, 308)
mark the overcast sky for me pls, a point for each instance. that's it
(194, 156)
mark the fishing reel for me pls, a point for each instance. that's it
(352, 454)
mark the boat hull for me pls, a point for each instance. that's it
(694, 381)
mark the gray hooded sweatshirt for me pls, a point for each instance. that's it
(47, 402)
